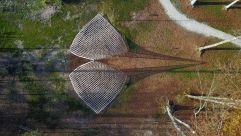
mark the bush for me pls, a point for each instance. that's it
(32, 133)
(232, 125)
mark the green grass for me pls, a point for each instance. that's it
(181, 99)
(124, 96)
(59, 33)
(40, 34)
(142, 27)
(8, 33)
(138, 32)
(190, 75)
(120, 9)
(36, 33)
(32, 133)
(215, 10)
(77, 106)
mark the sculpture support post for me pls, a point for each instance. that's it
(231, 4)
(193, 2)
(217, 44)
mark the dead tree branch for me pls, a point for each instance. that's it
(176, 120)
(236, 104)
(211, 89)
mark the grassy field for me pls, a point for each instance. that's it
(217, 16)
(25, 29)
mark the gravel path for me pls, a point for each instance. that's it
(194, 26)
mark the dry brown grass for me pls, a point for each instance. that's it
(165, 37)
(214, 15)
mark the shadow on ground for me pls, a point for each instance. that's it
(212, 3)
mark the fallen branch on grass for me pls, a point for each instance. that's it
(236, 104)
(176, 120)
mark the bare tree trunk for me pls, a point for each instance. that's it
(236, 104)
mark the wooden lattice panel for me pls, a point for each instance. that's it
(98, 39)
(97, 84)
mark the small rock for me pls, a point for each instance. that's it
(47, 13)
(67, 17)
(19, 44)
(148, 133)
(20, 26)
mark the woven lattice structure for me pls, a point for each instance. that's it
(98, 39)
(97, 84)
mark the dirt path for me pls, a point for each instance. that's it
(192, 25)
(115, 125)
